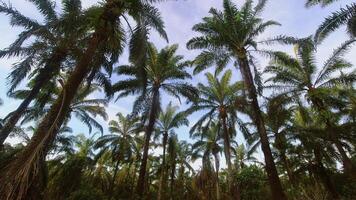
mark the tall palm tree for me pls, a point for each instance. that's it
(218, 98)
(228, 35)
(55, 40)
(299, 76)
(168, 120)
(120, 143)
(165, 71)
(345, 16)
(106, 38)
(209, 144)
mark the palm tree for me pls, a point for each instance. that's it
(229, 35)
(55, 40)
(299, 76)
(178, 155)
(345, 16)
(306, 126)
(168, 120)
(120, 143)
(209, 145)
(106, 38)
(218, 98)
(165, 72)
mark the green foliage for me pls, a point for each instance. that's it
(309, 119)
(252, 181)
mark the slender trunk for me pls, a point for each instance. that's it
(227, 145)
(163, 168)
(217, 166)
(112, 184)
(152, 120)
(22, 174)
(324, 176)
(274, 182)
(45, 75)
(234, 192)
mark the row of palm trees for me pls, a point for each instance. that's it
(73, 53)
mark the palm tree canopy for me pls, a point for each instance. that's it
(228, 33)
(301, 75)
(170, 119)
(217, 98)
(165, 71)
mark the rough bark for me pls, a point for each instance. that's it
(45, 75)
(274, 182)
(140, 189)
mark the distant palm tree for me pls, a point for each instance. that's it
(120, 144)
(165, 71)
(231, 35)
(218, 99)
(50, 44)
(209, 145)
(178, 155)
(168, 120)
(299, 75)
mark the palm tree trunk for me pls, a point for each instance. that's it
(45, 75)
(21, 174)
(217, 166)
(231, 189)
(163, 170)
(274, 182)
(152, 120)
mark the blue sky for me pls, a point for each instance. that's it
(179, 17)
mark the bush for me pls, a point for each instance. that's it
(252, 183)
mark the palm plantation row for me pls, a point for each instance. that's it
(305, 126)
